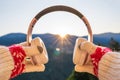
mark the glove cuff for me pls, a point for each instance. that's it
(18, 55)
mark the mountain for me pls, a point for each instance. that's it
(105, 38)
(14, 38)
(60, 63)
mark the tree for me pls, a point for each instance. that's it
(114, 45)
(81, 76)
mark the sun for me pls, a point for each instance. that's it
(62, 35)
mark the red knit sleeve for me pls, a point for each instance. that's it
(96, 57)
(18, 55)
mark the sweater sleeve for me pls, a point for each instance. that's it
(109, 66)
(6, 63)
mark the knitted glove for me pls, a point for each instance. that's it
(36, 55)
(81, 58)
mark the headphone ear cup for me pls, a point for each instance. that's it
(42, 57)
(79, 56)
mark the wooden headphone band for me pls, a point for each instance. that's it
(58, 8)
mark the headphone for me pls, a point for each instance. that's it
(79, 57)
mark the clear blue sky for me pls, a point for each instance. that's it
(103, 15)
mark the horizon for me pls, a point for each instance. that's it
(55, 39)
(57, 34)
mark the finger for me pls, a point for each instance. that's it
(79, 55)
(36, 41)
(88, 47)
(41, 46)
(32, 50)
(23, 44)
(85, 68)
(39, 59)
(29, 67)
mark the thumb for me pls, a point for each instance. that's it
(88, 46)
(32, 50)
(29, 67)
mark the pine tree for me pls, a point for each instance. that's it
(81, 76)
(114, 45)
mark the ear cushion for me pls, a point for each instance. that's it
(79, 56)
(42, 57)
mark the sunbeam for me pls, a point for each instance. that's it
(62, 43)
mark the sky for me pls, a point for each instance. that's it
(103, 16)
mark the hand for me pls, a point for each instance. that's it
(36, 55)
(81, 56)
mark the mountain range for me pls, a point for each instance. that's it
(14, 38)
(60, 63)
